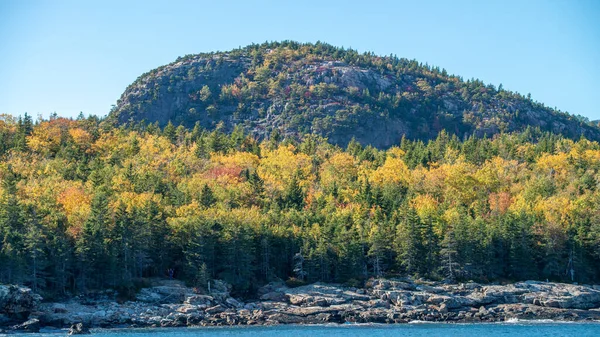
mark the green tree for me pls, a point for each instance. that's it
(170, 132)
(207, 197)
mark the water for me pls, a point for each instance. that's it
(410, 330)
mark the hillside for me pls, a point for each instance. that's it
(333, 92)
(85, 206)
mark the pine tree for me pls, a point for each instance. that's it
(410, 249)
(91, 250)
(200, 149)
(12, 232)
(121, 249)
(365, 193)
(217, 141)
(199, 251)
(293, 196)
(207, 197)
(239, 256)
(429, 244)
(35, 241)
(379, 247)
(170, 132)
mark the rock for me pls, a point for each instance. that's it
(219, 286)
(551, 304)
(170, 291)
(483, 311)
(323, 295)
(321, 303)
(200, 300)
(216, 309)
(470, 286)
(32, 325)
(148, 296)
(277, 296)
(17, 302)
(283, 318)
(78, 329)
(383, 284)
(59, 308)
(232, 302)
(188, 308)
(429, 289)
(271, 287)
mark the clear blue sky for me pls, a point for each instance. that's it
(71, 56)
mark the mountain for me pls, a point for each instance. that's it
(333, 92)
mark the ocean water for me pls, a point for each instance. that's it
(351, 330)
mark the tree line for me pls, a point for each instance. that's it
(86, 205)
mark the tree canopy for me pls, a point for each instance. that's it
(84, 206)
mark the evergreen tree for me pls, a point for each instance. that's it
(293, 196)
(207, 197)
(35, 242)
(91, 248)
(12, 232)
(170, 132)
(410, 249)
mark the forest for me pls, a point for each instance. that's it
(86, 205)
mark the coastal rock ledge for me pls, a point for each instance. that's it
(171, 304)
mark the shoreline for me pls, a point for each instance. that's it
(48, 330)
(169, 304)
(540, 322)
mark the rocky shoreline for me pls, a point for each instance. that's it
(171, 304)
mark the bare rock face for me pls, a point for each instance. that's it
(376, 100)
(474, 296)
(560, 295)
(16, 302)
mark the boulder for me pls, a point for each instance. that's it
(17, 302)
(200, 300)
(32, 325)
(551, 303)
(277, 296)
(233, 303)
(59, 308)
(272, 287)
(219, 286)
(216, 309)
(392, 284)
(78, 329)
(167, 292)
(323, 295)
(148, 296)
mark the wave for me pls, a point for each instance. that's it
(535, 321)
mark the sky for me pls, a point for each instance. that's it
(68, 56)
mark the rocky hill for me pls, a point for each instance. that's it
(336, 93)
